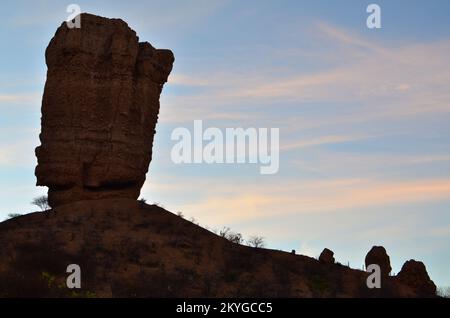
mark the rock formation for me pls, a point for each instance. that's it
(99, 111)
(378, 255)
(414, 274)
(327, 256)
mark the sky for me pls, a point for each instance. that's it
(363, 117)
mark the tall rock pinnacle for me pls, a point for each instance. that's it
(99, 111)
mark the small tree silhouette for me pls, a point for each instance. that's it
(41, 202)
(13, 215)
(231, 236)
(180, 214)
(224, 232)
(142, 202)
(443, 292)
(235, 238)
(256, 241)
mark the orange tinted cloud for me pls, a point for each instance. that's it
(243, 203)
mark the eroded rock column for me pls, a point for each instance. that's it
(99, 111)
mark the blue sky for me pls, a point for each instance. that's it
(363, 118)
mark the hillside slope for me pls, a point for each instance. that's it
(126, 248)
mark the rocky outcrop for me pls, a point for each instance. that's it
(327, 256)
(99, 111)
(378, 255)
(414, 274)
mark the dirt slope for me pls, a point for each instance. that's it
(129, 249)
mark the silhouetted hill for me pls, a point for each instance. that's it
(126, 248)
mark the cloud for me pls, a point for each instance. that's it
(348, 39)
(19, 154)
(370, 165)
(442, 231)
(385, 82)
(372, 84)
(323, 140)
(25, 99)
(308, 250)
(230, 202)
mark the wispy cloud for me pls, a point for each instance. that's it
(442, 231)
(351, 40)
(385, 81)
(369, 165)
(243, 202)
(323, 140)
(25, 99)
(19, 154)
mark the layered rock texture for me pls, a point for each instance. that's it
(99, 111)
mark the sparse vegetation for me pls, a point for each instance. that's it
(235, 238)
(256, 241)
(318, 284)
(200, 263)
(231, 236)
(41, 202)
(193, 220)
(158, 204)
(142, 202)
(13, 215)
(224, 232)
(443, 292)
(180, 214)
